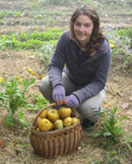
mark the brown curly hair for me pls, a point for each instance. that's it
(96, 37)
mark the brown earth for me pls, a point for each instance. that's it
(14, 143)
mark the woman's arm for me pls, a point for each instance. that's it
(57, 62)
(99, 81)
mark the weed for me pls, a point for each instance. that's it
(33, 40)
(46, 53)
(117, 144)
(50, 22)
(35, 5)
(12, 97)
(39, 102)
(4, 13)
(59, 2)
(90, 2)
(5, 55)
(110, 128)
(17, 14)
(117, 155)
(122, 45)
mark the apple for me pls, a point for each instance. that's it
(58, 124)
(67, 121)
(64, 112)
(75, 120)
(38, 120)
(43, 114)
(45, 125)
(53, 115)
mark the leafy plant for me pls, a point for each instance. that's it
(58, 2)
(33, 40)
(4, 13)
(110, 127)
(46, 53)
(12, 97)
(17, 14)
(39, 102)
(121, 46)
(119, 155)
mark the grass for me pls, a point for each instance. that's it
(120, 154)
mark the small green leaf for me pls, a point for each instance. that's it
(97, 134)
(106, 134)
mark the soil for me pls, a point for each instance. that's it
(15, 145)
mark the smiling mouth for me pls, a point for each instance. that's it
(81, 35)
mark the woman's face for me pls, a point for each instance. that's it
(83, 28)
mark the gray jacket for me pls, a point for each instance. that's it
(90, 76)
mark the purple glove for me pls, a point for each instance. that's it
(59, 94)
(72, 101)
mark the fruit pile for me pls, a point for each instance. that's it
(51, 119)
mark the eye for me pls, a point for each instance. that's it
(77, 24)
(87, 25)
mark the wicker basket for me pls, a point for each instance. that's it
(56, 142)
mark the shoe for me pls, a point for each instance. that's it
(87, 123)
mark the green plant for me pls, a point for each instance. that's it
(50, 21)
(33, 40)
(90, 2)
(35, 5)
(110, 127)
(17, 14)
(39, 102)
(12, 97)
(46, 53)
(117, 155)
(5, 55)
(59, 2)
(121, 46)
(4, 13)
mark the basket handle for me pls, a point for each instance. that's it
(48, 106)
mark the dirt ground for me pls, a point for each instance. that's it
(18, 148)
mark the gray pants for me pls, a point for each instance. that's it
(90, 108)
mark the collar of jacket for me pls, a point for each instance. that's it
(104, 46)
(76, 42)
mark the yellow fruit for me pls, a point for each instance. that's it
(43, 114)
(45, 125)
(53, 114)
(58, 124)
(37, 129)
(67, 121)
(65, 112)
(75, 120)
(38, 120)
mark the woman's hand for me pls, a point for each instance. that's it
(72, 101)
(59, 95)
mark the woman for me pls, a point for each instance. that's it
(86, 53)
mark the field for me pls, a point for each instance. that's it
(33, 18)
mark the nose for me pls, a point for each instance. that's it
(81, 28)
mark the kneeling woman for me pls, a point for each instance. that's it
(86, 55)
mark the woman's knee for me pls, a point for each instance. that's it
(92, 107)
(44, 85)
(91, 112)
